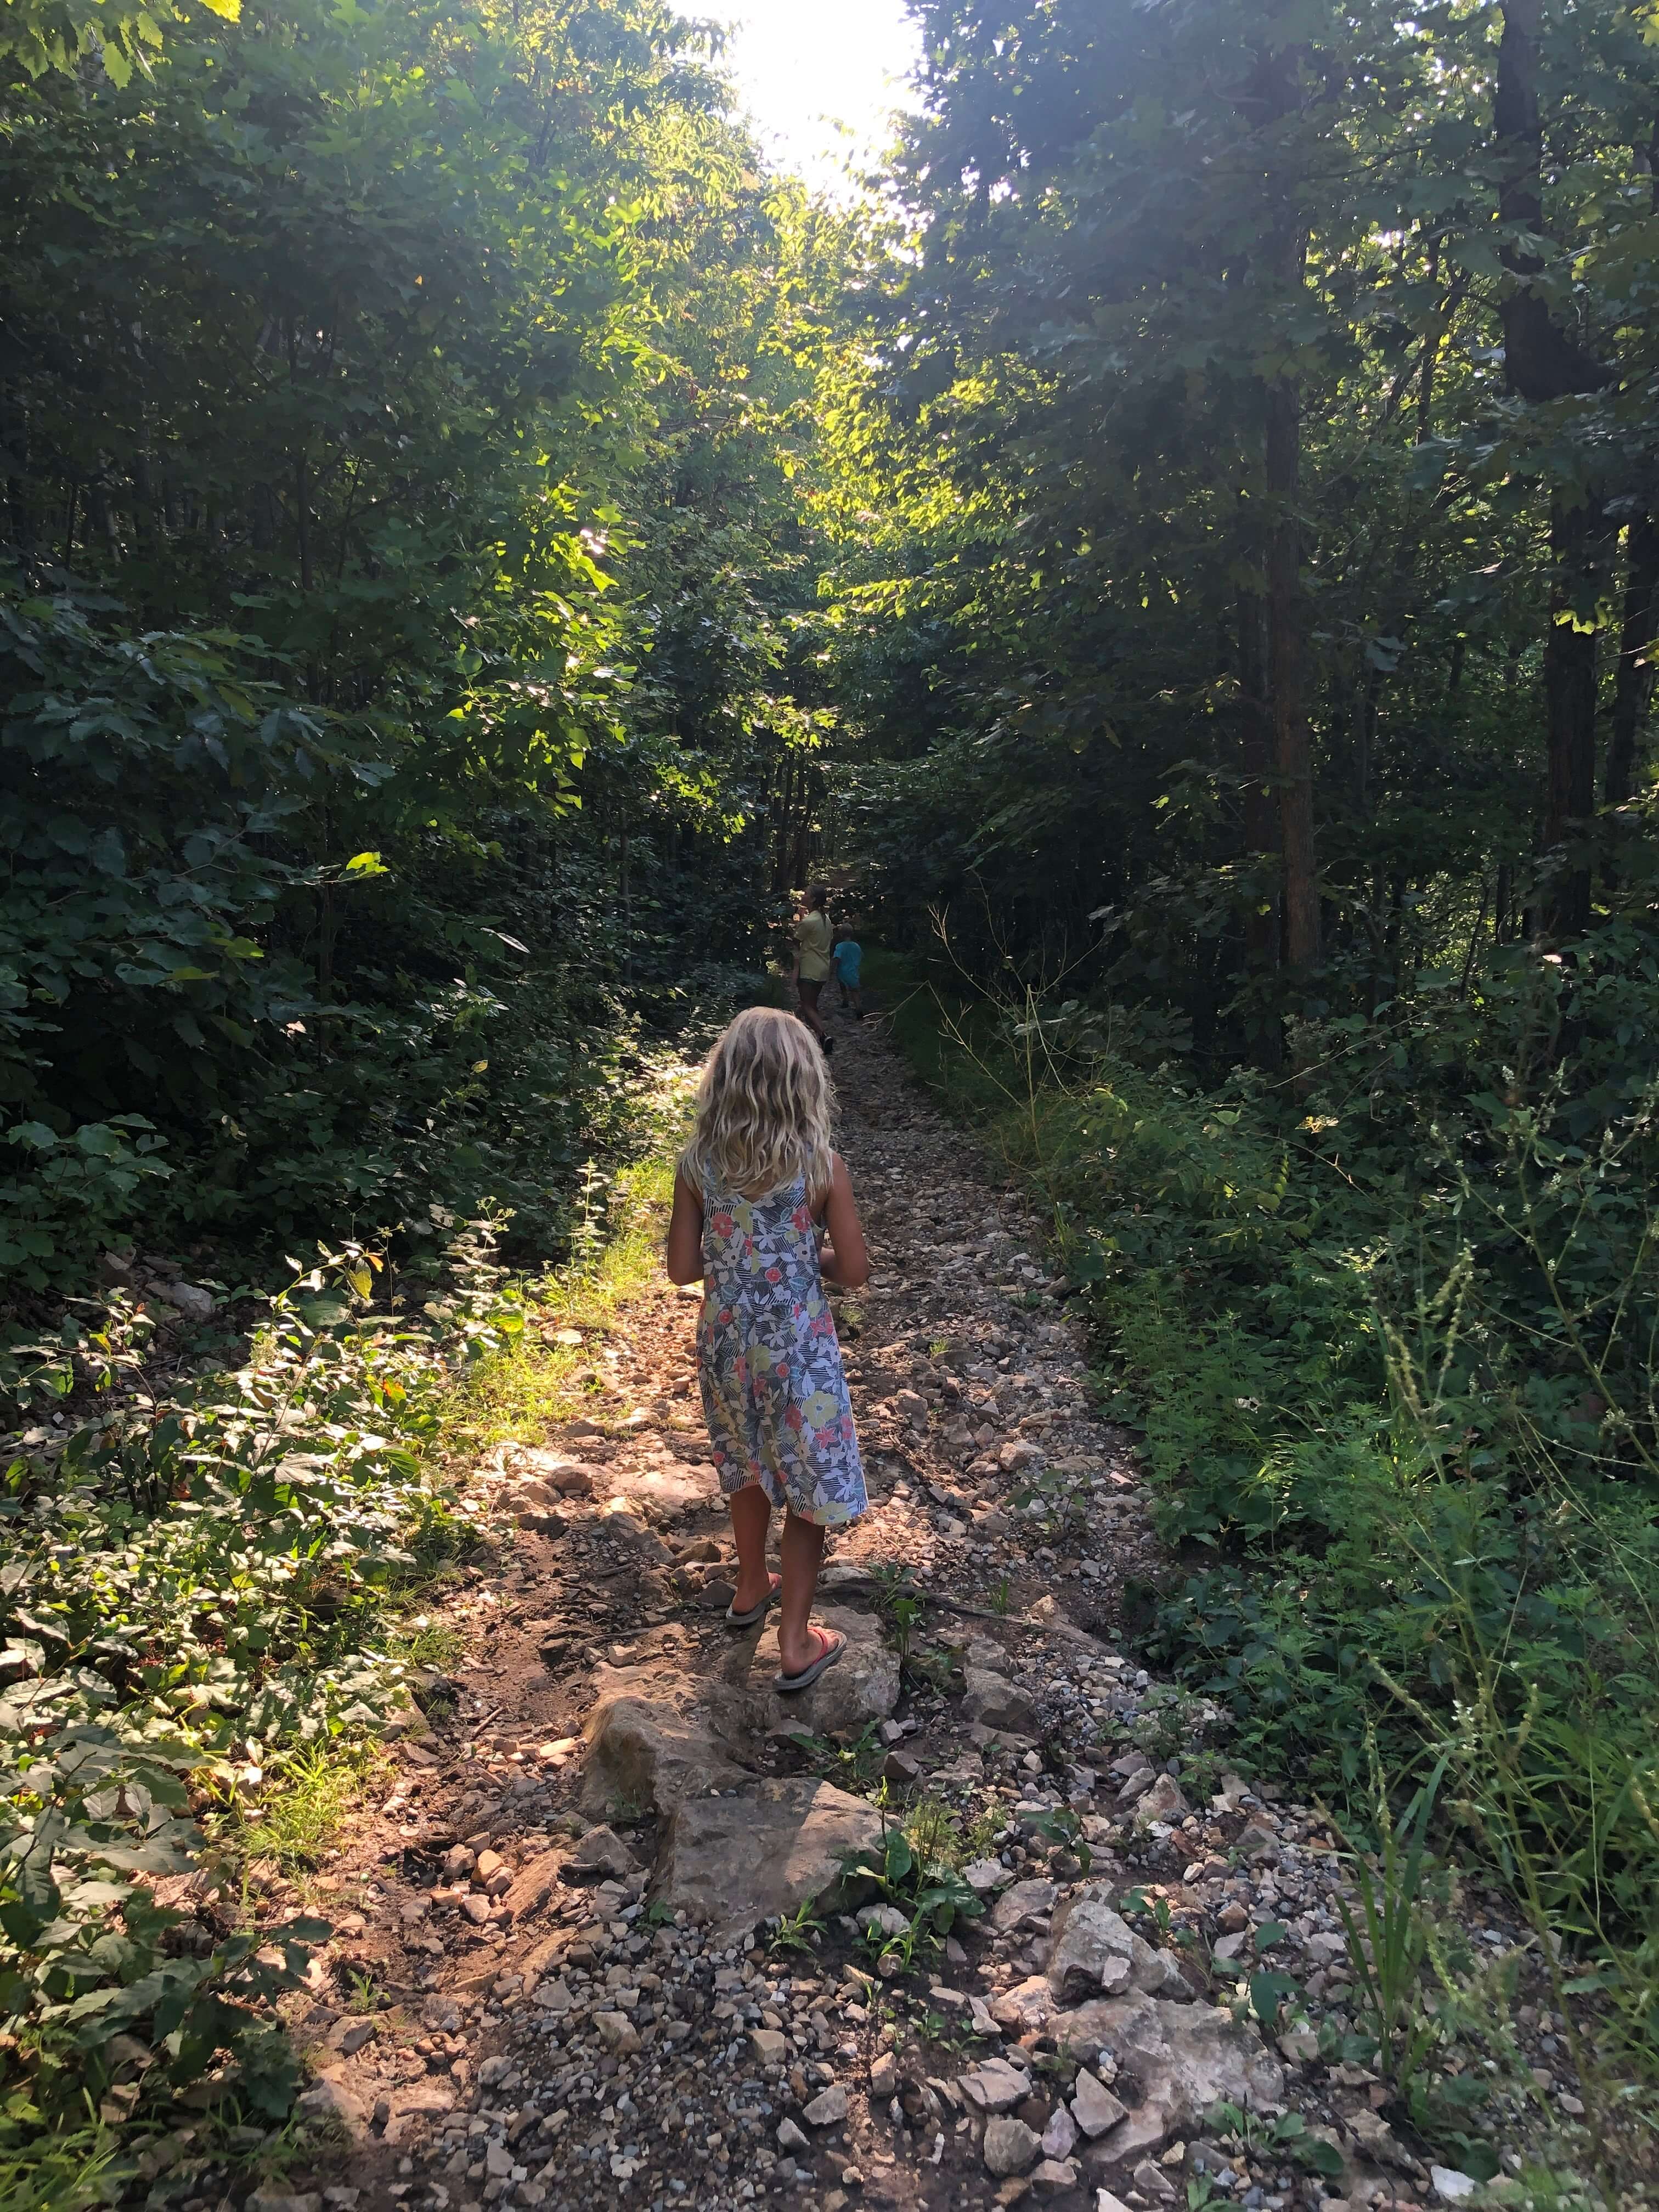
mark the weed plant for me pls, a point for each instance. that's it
(1387, 1335)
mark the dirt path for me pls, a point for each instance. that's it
(549, 1907)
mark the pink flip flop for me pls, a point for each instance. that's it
(755, 1612)
(834, 1645)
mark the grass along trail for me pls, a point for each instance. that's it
(1079, 1960)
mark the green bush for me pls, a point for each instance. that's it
(190, 1589)
(1402, 1391)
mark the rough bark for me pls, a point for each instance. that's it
(1542, 363)
(1632, 693)
(1287, 675)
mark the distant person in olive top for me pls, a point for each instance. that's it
(847, 953)
(813, 937)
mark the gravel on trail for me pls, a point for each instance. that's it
(547, 1912)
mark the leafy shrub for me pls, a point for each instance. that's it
(1388, 1371)
(191, 1587)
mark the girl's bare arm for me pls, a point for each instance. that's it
(844, 1259)
(685, 1235)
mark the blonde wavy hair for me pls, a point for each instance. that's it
(764, 1105)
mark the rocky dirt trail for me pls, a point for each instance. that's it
(565, 1996)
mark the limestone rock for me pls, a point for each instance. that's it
(564, 1477)
(732, 1862)
(651, 1750)
(768, 2046)
(618, 2033)
(1162, 1801)
(1024, 1905)
(1052, 2176)
(1186, 2057)
(995, 1702)
(862, 1686)
(1009, 2147)
(425, 2099)
(329, 2100)
(986, 1876)
(1093, 2105)
(1095, 1951)
(1029, 2004)
(995, 2086)
(665, 1491)
(828, 2108)
(603, 1852)
(792, 2138)
(531, 1888)
(1059, 2136)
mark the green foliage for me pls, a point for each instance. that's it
(197, 1605)
(1403, 1407)
(402, 614)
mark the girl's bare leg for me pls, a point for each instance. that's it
(751, 1517)
(802, 1549)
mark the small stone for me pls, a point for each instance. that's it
(1256, 1841)
(1009, 2147)
(1105, 2201)
(1024, 1905)
(603, 1852)
(827, 2108)
(986, 1876)
(1059, 2136)
(995, 2086)
(1451, 2185)
(1050, 2177)
(884, 2076)
(770, 2048)
(1162, 1801)
(1094, 2107)
(994, 1702)
(327, 2100)
(618, 2033)
(793, 2138)
(1152, 2181)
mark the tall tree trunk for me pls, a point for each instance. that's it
(1632, 692)
(1260, 816)
(1277, 96)
(1287, 674)
(1543, 363)
(1570, 699)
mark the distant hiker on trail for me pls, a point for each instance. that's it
(848, 955)
(813, 937)
(755, 1185)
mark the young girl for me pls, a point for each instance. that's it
(814, 933)
(755, 1183)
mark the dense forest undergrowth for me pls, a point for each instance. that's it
(474, 542)
(1379, 1399)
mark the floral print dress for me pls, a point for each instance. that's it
(774, 1392)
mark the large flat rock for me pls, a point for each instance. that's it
(650, 1746)
(729, 1863)
(665, 1491)
(861, 1687)
(1186, 2057)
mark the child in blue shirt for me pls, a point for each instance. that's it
(846, 953)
